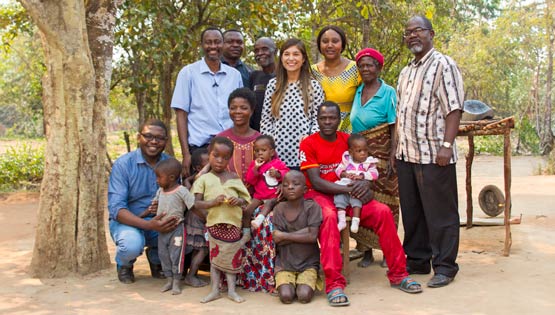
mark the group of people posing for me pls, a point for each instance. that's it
(274, 162)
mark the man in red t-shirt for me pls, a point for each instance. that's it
(320, 154)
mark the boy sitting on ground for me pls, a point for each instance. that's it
(296, 225)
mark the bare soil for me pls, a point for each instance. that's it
(488, 283)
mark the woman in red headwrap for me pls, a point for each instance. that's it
(374, 102)
(373, 116)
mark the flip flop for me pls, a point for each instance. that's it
(335, 294)
(408, 285)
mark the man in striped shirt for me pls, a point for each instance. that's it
(430, 94)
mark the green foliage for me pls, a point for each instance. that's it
(528, 141)
(490, 145)
(21, 168)
(21, 70)
(13, 22)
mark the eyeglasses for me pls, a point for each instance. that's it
(417, 31)
(150, 137)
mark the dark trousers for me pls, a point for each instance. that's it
(429, 204)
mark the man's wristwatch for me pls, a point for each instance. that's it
(446, 145)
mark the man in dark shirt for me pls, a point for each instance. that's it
(232, 52)
(265, 52)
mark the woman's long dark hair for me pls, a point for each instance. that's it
(281, 78)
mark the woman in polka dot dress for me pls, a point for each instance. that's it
(291, 101)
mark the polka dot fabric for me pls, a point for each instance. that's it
(293, 124)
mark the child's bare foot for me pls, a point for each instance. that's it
(175, 287)
(235, 297)
(212, 296)
(194, 281)
(167, 286)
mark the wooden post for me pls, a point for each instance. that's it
(507, 178)
(345, 250)
(469, 160)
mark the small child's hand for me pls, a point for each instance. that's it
(151, 210)
(274, 173)
(235, 201)
(359, 177)
(258, 162)
(219, 200)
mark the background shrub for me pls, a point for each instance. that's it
(21, 168)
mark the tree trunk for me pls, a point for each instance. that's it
(77, 40)
(366, 32)
(166, 78)
(546, 144)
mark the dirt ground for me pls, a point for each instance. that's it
(487, 283)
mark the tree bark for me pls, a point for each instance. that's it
(547, 135)
(77, 40)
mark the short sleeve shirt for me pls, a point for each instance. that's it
(316, 152)
(203, 95)
(297, 256)
(378, 110)
(428, 90)
(174, 203)
(211, 187)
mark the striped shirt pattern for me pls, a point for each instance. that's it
(428, 90)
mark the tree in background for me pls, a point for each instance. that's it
(158, 37)
(77, 38)
(507, 62)
(21, 70)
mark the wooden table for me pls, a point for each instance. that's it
(470, 129)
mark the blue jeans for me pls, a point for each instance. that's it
(130, 242)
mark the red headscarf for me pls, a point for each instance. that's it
(370, 52)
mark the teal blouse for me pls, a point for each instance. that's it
(378, 110)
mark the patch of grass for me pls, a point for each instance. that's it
(549, 168)
(21, 168)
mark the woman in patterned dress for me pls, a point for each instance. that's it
(241, 104)
(337, 75)
(291, 101)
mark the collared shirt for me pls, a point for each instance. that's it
(244, 69)
(203, 95)
(380, 109)
(132, 184)
(428, 90)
